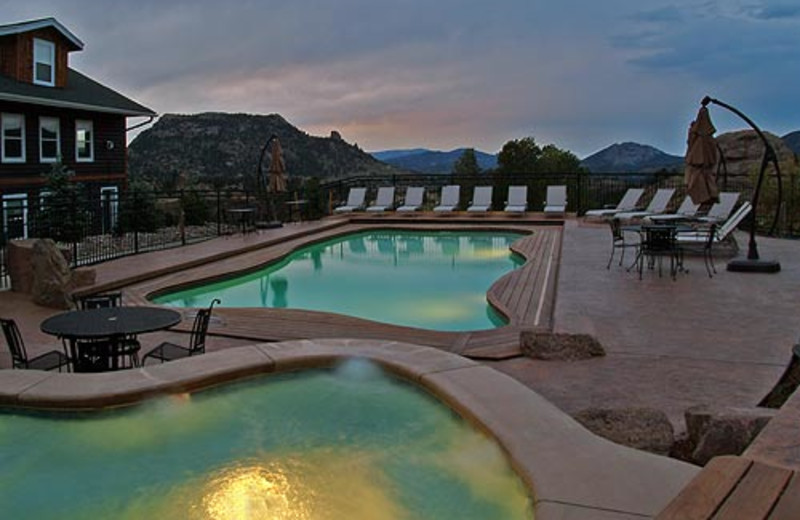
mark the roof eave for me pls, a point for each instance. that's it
(41, 24)
(76, 106)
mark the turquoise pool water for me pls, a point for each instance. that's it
(430, 280)
(350, 443)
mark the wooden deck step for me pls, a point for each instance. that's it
(736, 488)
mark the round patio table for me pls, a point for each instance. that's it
(106, 323)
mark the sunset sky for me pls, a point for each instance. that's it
(442, 74)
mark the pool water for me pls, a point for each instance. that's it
(350, 443)
(431, 280)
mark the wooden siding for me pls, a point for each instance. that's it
(16, 55)
(108, 165)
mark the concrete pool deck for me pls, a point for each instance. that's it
(670, 344)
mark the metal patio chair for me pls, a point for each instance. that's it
(167, 351)
(19, 355)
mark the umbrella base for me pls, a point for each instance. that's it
(746, 265)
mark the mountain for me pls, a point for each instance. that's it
(226, 148)
(792, 140)
(631, 157)
(431, 161)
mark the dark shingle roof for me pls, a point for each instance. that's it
(81, 92)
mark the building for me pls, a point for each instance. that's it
(50, 113)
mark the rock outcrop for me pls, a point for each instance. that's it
(641, 428)
(52, 279)
(723, 431)
(743, 151)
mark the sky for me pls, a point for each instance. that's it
(445, 74)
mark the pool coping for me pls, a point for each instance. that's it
(570, 472)
(533, 287)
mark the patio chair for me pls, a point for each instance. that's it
(658, 242)
(128, 346)
(355, 201)
(517, 199)
(628, 202)
(481, 199)
(167, 351)
(449, 200)
(619, 241)
(413, 200)
(19, 355)
(658, 204)
(722, 209)
(556, 203)
(704, 248)
(97, 355)
(687, 210)
(384, 200)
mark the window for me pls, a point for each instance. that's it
(49, 139)
(15, 216)
(84, 141)
(44, 62)
(109, 202)
(13, 138)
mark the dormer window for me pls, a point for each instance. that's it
(44, 62)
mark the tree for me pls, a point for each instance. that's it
(61, 214)
(467, 164)
(555, 160)
(519, 156)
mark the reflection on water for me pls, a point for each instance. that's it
(432, 280)
(349, 444)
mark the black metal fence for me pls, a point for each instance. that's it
(112, 225)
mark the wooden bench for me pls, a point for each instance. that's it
(732, 487)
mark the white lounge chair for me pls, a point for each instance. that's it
(722, 209)
(708, 238)
(413, 200)
(450, 198)
(556, 203)
(517, 199)
(657, 205)
(481, 200)
(628, 202)
(686, 210)
(355, 201)
(384, 200)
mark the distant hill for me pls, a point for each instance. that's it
(432, 161)
(792, 140)
(224, 147)
(631, 157)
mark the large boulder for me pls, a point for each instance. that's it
(743, 151)
(723, 431)
(51, 276)
(559, 347)
(641, 428)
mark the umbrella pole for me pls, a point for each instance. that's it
(753, 262)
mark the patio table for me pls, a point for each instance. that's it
(107, 323)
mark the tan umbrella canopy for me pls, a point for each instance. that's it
(701, 160)
(277, 168)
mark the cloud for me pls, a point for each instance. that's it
(774, 11)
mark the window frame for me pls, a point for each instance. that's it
(5, 116)
(7, 200)
(86, 123)
(42, 158)
(37, 58)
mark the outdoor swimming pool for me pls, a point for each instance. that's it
(322, 444)
(428, 279)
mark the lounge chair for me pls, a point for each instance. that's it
(722, 209)
(687, 210)
(657, 205)
(449, 200)
(19, 356)
(628, 202)
(384, 200)
(197, 341)
(355, 201)
(481, 200)
(708, 238)
(517, 199)
(556, 203)
(413, 200)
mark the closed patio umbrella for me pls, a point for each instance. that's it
(701, 160)
(277, 168)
